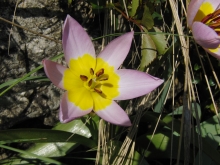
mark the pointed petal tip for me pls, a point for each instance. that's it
(54, 72)
(114, 114)
(134, 84)
(117, 50)
(76, 41)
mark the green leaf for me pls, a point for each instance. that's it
(57, 149)
(160, 144)
(195, 106)
(134, 8)
(96, 7)
(210, 126)
(61, 148)
(156, 15)
(69, 2)
(20, 161)
(33, 78)
(158, 107)
(206, 147)
(196, 67)
(159, 40)
(147, 20)
(42, 136)
(28, 74)
(93, 125)
(213, 141)
(148, 51)
(211, 82)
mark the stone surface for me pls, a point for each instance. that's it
(29, 99)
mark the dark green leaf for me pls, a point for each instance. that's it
(42, 136)
(195, 106)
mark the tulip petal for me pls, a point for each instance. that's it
(54, 72)
(69, 111)
(76, 41)
(114, 114)
(215, 52)
(116, 51)
(135, 83)
(205, 36)
(196, 12)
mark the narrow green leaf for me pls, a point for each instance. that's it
(57, 149)
(158, 107)
(33, 78)
(42, 136)
(28, 74)
(44, 159)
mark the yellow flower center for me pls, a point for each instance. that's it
(94, 82)
(91, 82)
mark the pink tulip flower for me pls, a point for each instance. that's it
(203, 17)
(92, 83)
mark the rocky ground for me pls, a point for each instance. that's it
(22, 51)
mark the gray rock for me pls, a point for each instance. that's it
(29, 99)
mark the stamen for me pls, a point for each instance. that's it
(103, 77)
(100, 72)
(90, 82)
(83, 78)
(215, 25)
(216, 13)
(211, 17)
(91, 71)
(98, 90)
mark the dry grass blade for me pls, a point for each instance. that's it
(207, 82)
(186, 102)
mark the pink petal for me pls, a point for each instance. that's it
(216, 54)
(76, 41)
(68, 111)
(116, 51)
(135, 83)
(205, 36)
(194, 6)
(54, 72)
(114, 114)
